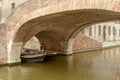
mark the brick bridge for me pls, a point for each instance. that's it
(55, 23)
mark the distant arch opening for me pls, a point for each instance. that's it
(32, 44)
(104, 34)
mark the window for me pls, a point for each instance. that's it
(104, 32)
(109, 29)
(114, 31)
(94, 30)
(12, 5)
(99, 30)
(90, 31)
(119, 32)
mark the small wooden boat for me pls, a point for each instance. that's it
(33, 57)
(29, 55)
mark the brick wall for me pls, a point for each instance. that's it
(84, 43)
(2, 43)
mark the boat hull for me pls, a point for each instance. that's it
(33, 59)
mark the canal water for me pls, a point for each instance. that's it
(94, 65)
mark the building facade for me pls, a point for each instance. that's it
(97, 36)
(104, 32)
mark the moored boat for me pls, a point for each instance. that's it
(29, 55)
(33, 57)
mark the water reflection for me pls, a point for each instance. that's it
(96, 65)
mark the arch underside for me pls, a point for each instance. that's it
(55, 30)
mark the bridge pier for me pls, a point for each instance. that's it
(70, 46)
(14, 51)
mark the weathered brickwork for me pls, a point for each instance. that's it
(3, 44)
(84, 43)
(50, 42)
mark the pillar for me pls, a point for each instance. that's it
(14, 51)
(70, 46)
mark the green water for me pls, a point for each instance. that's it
(95, 65)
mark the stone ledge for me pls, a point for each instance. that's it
(14, 61)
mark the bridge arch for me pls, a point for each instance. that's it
(53, 23)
